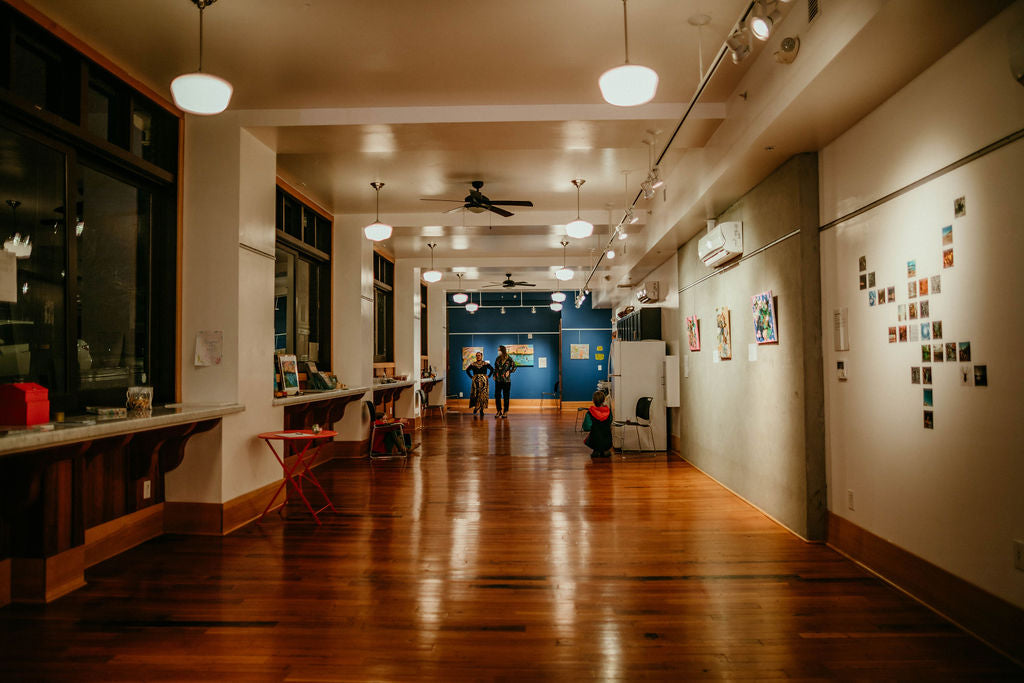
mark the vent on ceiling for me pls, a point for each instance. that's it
(812, 10)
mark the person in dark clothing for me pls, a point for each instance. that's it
(479, 370)
(598, 422)
(504, 366)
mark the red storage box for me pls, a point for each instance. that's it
(24, 404)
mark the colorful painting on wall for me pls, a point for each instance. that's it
(766, 329)
(579, 351)
(693, 332)
(522, 354)
(723, 344)
(469, 355)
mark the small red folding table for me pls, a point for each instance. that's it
(300, 469)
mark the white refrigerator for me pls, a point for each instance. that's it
(638, 369)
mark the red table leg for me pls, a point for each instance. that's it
(295, 477)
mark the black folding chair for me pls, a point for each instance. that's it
(641, 418)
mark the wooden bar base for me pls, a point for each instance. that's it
(5, 582)
(41, 580)
(118, 535)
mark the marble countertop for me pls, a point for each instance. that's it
(394, 385)
(310, 396)
(88, 427)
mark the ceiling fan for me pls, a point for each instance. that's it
(509, 282)
(477, 202)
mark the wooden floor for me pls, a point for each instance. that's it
(499, 552)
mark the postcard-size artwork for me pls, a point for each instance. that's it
(579, 351)
(947, 236)
(693, 332)
(723, 343)
(950, 352)
(892, 335)
(872, 297)
(915, 375)
(912, 290)
(960, 207)
(936, 284)
(913, 311)
(871, 279)
(947, 258)
(289, 368)
(929, 420)
(915, 333)
(911, 269)
(863, 263)
(863, 281)
(937, 353)
(901, 312)
(981, 375)
(928, 397)
(926, 331)
(966, 375)
(926, 353)
(891, 294)
(965, 351)
(936, 329)
(926, 375)
(922, 286)
(925, 309)
(903, 333)
(881, 296)
(522, 354)
(469, 355)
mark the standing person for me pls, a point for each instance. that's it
(479, 370)
(504, 366)
(599, 423)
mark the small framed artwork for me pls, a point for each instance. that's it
(929, 420)
(892, 335)
(936, 329)
(911, 269)
(947, 236)
(863, 281)
(926, 331)
(926, 353)
(872, 297)
(981, 375)
(912, 289)
(950, 352)
(871, 279)
(947, 258)
(926, 375)
(928, 398)
(289, 369)
(937, 353)
(936, 284)
(881, 296)
(965, 351)
(693, 332)
(901, 312)
(891, 294)
(925, 309)
(922, 286)
(913, 311)
(863, 263)
(903, 333)
(915, 375)
(966, 375)
(959, 207)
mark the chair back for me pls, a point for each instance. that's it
(643, 407)
(558, 387)
(422, 396)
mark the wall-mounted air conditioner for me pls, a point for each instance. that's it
(647, 293)
(722, 243)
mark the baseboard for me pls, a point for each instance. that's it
(346, 449)
(573, 406)
(5, 582)
(240, 511)
(987, 616)
(44, 579)
(463, 403)
(203, 519)
(118, 535)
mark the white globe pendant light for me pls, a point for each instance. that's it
(579, 228)
(556, 306)
(628, 85)
(377, 231)
(472, 307)
(564, 273)
(432, 275)
(201, 93)
(558, 296)
(460, 297)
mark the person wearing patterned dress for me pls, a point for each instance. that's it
(478, 371)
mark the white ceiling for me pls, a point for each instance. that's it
(428, 96)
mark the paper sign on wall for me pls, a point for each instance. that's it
(841, 329)
(209, 348)
(542, 362)
(8, 276)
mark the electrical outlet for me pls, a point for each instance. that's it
(147, 489)
(460, 394)
(849, 498)
(1018, 555)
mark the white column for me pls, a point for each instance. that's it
(437, 338)
(352, 320)
(407, 332)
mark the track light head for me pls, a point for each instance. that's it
(763, 20)
(738, 43)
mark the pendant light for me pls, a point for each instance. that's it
(579, 228)
(556, 306)
(198, 92)
(432, 275)
(628, 85)
(564, 273)
(472, 306)
(377, 231)
(558, 296)
(460, 297)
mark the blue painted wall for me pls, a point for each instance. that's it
(489, 328)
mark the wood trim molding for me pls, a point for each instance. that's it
(5, 582)
(247, 507)
(92, 53)
(675, 445)
(987, 616)
(192, 518)
(118, 535)
(44, 579)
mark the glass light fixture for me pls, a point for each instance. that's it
(763, 20)
(201, 93)
(432, 275)
(377, 231)
(628, 85)
(564, 273)
(579, 228)
(472, 306)
(656, 181)
(556, 306)
(558, 296)
(533, 309)
(610, 253)
(460, 297)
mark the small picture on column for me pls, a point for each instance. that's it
(929, 420)
(981, 375)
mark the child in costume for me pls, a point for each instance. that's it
(598, 422)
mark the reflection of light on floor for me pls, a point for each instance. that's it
(465, 529)
(563, 571)
(611, 647)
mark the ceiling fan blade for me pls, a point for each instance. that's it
(500, 212)
(510, 202)
(524, 284)
(489, 286)
(432, 199)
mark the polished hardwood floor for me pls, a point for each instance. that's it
(498, 552)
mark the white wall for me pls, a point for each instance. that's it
(951, 495)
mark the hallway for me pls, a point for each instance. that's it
(498, 552)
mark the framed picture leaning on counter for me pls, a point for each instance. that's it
(289, 369)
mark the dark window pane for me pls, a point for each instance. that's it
(97, 113)
(32, 71)
(292, 218)
(32, 337)
(113, 285)
(323, 234)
